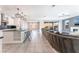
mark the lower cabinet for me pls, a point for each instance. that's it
(1, 45)
(68, 45)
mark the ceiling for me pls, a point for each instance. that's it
(42, 12)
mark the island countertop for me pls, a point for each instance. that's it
(64, 35)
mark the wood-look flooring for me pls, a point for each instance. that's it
(36, 44)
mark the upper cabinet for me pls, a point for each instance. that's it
(10, 21)
(6, 20)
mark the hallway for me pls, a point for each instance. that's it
(35, 44)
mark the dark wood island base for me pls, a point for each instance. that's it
(62, 43)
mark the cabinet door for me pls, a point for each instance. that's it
(0, 45)
(76, 45)
(68, 45)
(17, 36)
(22, 36)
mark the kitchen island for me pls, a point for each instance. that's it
(61, 42)
(14, 36)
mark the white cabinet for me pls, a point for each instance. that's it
(0, 45)
(22, 36)
(1, 35)
(8, 36)
(13, 36)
